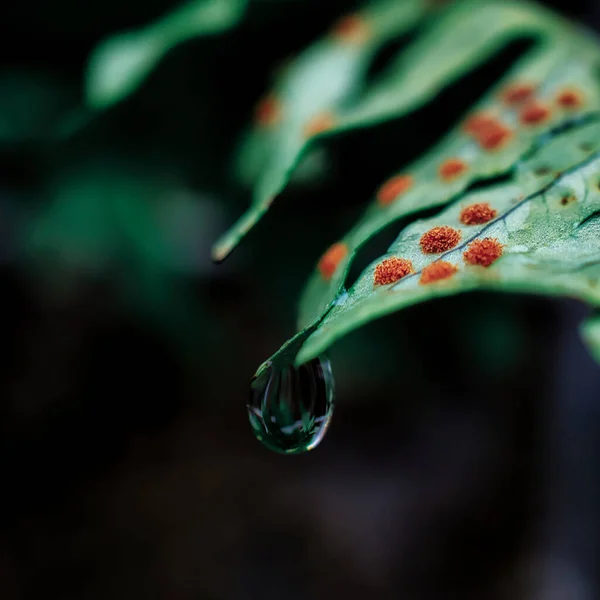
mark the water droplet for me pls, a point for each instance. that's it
(290, 407)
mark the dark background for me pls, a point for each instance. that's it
(463, 458)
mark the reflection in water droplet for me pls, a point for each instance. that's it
(290, 407)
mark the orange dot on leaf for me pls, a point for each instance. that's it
(391, 270)
(331, 260)
(437, 271)
(490, 133)
(319, 124)
(483, 252)
(477, 214)
(351, 29)
(517, 93)
(475, 123)
(494, 136)
(440, 239)
(570, 99)
(392, 188)
(268, 111)
(534, 113)
(452, 169)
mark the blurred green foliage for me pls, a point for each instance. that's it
(119, 64)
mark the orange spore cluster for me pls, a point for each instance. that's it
(494, 137)
(391, 270)
(392, 188)
(534, 113)
(489, 132)
(331, 260)
(475, 123)
(483, 252)
(452, 168)
(477, 214)
(319, 123)
(268, 111)
(437, 271)
(517, 93)
(351, 29)
(439, 239)
(570, 99)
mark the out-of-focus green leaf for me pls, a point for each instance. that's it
(30, 104)
(317, 84)
(590, 332)
(97, 217)
(135, 229)
(121, 63)
(73, 225)
(538, 130)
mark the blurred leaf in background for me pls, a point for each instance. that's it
(31, 101)
(118, 65)
(146, 232)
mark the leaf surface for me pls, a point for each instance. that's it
(549, 238)
(528, 152)
(325, 92)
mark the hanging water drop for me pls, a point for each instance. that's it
(290, 407)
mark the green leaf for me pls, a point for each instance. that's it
(120, 64)
(590, 332)
(329, 80)
(542, 231)
(550, 245)
(320, 81)
(30, 103)
(107, 220)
